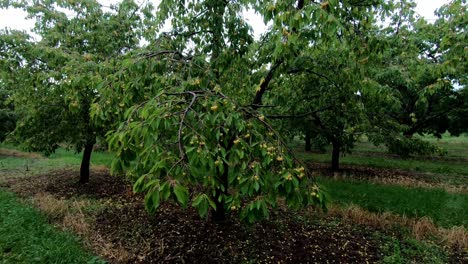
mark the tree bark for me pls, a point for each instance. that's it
(308, 145)
(219, 215)
(84, 169)
(335, 166)
(408, 134)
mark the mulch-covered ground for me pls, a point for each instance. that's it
(176, 235)
(64, 184)
(180, 236)
(19, 154)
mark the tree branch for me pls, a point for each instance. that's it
(264, 85)
(298, 116)
(183, 155)
(297, 70)
(149, 55)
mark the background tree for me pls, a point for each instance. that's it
(320, 93)
(327, 110)
(60, 72)
(14, 43)
(7, 113)
(418, 81)
(448, 39)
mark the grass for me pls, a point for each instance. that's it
(97, 158)
(455, 146)
(29, 165)
(26, 237)
(445, 209)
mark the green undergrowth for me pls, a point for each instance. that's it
(403, 248)
(445, 209)
(455, 146)
(410, 250)
(27, 237)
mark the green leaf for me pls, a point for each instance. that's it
(182, 194)
(165, 191)
(202, 203)
(127, 63)
(256, 186)
(138, 185)
(155, 198)
(212, 204)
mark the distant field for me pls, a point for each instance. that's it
(455, 146)
(445, 209)
(451, 168)
(26, 164)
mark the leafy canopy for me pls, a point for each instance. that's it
(193, 124)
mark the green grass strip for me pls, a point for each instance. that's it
(445, 209)
(26, 237)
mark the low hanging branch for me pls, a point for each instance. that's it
(297, 70)
(183, 155)
(202, 138)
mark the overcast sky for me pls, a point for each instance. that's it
(15, 19)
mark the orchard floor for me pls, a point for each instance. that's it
(113, 224)
(390, 176)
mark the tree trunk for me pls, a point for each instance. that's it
(84, 169)
(219, 215)
(335, 166)
(308, 145)
(408, 134)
